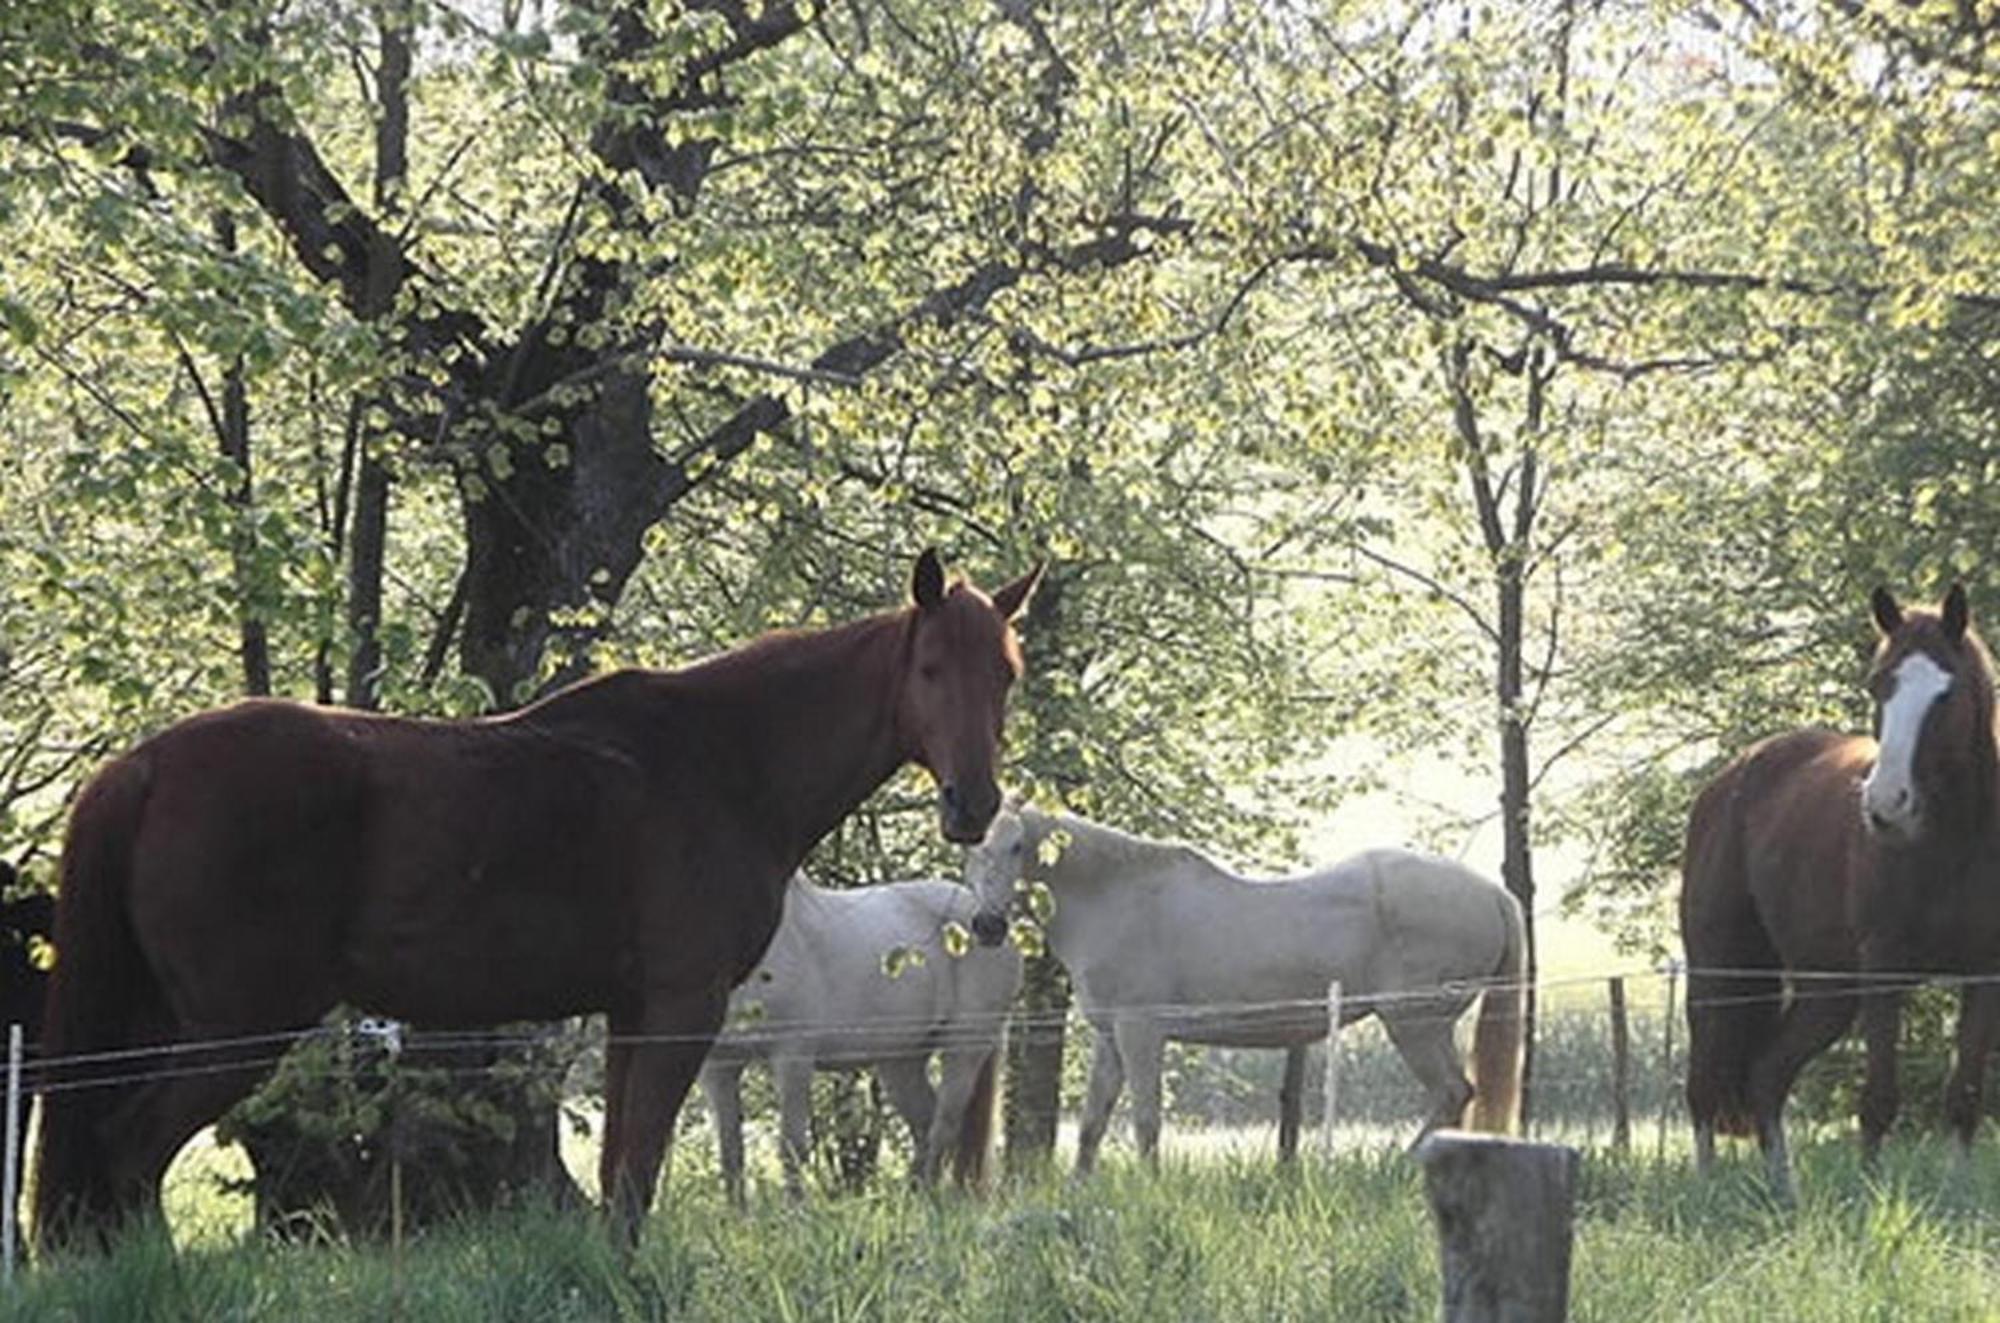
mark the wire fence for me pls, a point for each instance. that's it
(1575, 1060)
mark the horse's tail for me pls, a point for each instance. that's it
(1496, 1043)
(975, 1131)
(1735, 995)
(100, 983)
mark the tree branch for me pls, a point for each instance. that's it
(1433, 585)
(1024, 340)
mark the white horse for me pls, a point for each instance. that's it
(1163, 942)
(862, 978)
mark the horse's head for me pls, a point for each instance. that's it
(961, 662)
(993, 868)
(1933, 692)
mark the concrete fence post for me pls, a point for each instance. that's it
(10, 1184)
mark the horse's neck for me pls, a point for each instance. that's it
(812, 722)
(1972, 794)
(1115, 853)
(1103, 862)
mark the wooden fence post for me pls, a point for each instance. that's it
(1673, 970)
(1504, 1210)
(1621, 1071)
(1328, 1110)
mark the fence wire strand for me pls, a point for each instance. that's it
(906, 1035)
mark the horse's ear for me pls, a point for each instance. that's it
(1888, 616)
(1011, 600)
(1957, 614)
(927, 581)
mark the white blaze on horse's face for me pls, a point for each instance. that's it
(1889, 796)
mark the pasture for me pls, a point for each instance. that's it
(1220, 1233)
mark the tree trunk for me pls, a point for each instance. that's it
(454, 1156)
(1507, 541)
(1517, 857)
(367, 551)
(551, 429)
(233, 434)
(1035, 1067)
(1033, 1087)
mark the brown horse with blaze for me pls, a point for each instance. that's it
(1827, 874)
(620, 846)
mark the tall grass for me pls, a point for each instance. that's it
(1209, 1238)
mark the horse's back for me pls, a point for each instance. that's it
(455, 872)
(247, 834)
(1770, 851)
(1441, 921)
(852, 973)
(1376, 922)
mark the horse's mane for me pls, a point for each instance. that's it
(1112, 847)
(770, 656)
(1986, 752)
(758, 666)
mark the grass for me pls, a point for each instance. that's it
(1220, 1234)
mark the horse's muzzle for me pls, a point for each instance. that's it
(989, 928)
(1892, 830)
(964, 818)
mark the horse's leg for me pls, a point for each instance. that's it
(1107, 1077)
(1881, 1032)
(1422, 1033)
(226, 1022)
(147, 1128)
(1706, 1062)
(673, 1033)
(1730, 1017)
(722, 1085)
(1291, 1100)
(1964, 1095)
(957, 1079)
(1810, 1023)
(793, 1077)
(618, 1048)
(907, 1080)
(1140, 1044)
(1704, 1145)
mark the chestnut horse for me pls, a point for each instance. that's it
(620, 846)
(1827, 874)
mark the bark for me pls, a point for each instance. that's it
(1033, 1083)
(452, 1159)
(253, 639)
(1505, 1213)
(369, 539)
(1033, 1096)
